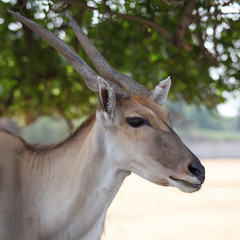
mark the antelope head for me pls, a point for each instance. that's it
(137, 127)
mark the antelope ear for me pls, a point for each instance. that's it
(160, 92)
(107, 102)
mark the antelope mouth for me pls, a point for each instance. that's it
(184, 185)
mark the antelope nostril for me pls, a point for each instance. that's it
(197, 170)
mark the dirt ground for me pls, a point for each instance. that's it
(145, 211)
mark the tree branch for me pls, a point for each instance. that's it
(228, 3)
(205, 50)
(183, 23)
(132, 18)
(174, 2)
(215, 22)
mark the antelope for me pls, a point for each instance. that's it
(63, 190)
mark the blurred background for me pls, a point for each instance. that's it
(197, 43)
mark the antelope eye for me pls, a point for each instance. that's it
(136, 122)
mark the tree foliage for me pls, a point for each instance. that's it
(197, 43)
